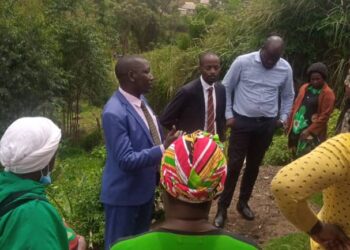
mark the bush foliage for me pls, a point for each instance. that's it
(75, 192)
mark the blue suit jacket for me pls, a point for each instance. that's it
(129, 176)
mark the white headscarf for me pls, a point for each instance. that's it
(29, 144)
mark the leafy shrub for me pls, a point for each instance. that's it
(278, 153)
(183, 41)
(92, 140)
(66, 150)
(75, 192)
(332, 123)
(100, 152)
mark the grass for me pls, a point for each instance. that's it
(75, 191)
(317, 199)
(294, 241)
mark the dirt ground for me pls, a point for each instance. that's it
(269, 222)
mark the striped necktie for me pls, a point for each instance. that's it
(210, 112)
(152, 127)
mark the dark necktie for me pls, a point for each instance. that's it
(152, 127)
(210, 110)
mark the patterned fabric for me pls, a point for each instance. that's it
(326, 168)
(152, 127)
(303, 118)
(194, 168)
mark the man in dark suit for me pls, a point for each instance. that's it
(199, 104)
(134, 150)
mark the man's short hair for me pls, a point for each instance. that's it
(205, 54)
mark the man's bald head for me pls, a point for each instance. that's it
(125, 65)
(134, 75)
(274, 41)
(271, 51)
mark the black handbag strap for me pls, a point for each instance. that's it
(11, 201)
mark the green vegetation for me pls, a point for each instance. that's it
(57, 57)
(317, 200)
(278, 153)
(298, 241)
(75, 191)
(313, 30)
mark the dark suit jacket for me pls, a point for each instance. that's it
(187, 109)
(129, 176)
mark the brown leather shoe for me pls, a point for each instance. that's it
(220, 217)
(245, 211)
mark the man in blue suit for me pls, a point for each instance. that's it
(134, 151)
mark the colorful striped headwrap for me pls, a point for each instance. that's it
(194, 168)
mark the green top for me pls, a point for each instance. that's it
(175, 240)
(33, 225)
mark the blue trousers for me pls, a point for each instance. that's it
(122, 221)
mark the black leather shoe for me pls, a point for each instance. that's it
(245, 211)
(220, 217)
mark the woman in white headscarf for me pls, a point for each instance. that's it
(27, 219)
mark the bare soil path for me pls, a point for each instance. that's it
(269, 222)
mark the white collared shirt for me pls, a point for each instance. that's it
(136, 104)
(206, 86)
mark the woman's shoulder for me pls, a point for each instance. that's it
(343, 138)
(328, 90)
(339, 145)
(37, 210)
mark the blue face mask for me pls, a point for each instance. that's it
(45, 179)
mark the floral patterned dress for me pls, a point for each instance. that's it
(302, 120)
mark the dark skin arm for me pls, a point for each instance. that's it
(330, 236)
(230, 122)
(171, 136)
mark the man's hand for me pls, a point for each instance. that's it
(81, 243)
(330, 236)
(280, 124)
(172, 136)
(304, 135)
(230, 122)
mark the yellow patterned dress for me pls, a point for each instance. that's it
(327, 169)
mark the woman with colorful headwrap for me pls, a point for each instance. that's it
(27, 219)
(193, 173)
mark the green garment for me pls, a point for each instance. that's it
(302, 120)
(33, 225)
(173, 240)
